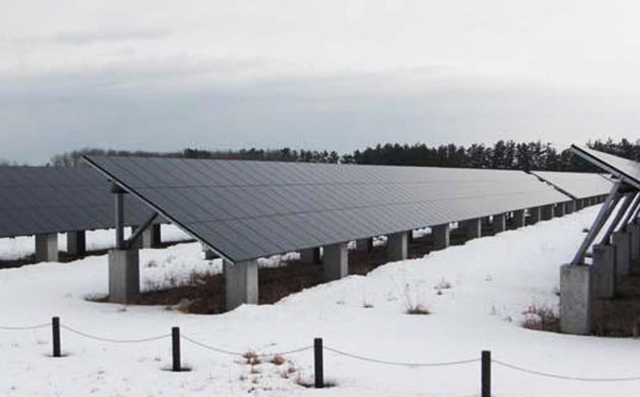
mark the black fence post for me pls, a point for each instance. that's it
(55, 327)
(486, 373)
(319, 366)
(175, 339)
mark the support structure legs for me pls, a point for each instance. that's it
(77, 243)
(47, 247)
(241, 283)
(336, 261)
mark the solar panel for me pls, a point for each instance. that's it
(628, 170)
(577, 184)
(38, 200)
(245, 209)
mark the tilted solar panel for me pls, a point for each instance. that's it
(618, 166)
(578, 185)
(246, 210)
(36, 200)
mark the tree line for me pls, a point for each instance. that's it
(508, 155)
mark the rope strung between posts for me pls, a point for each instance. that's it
(101, 339)
(26, 328)
(232, 353)
(563, 377)
(401, 364)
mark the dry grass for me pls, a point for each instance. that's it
(541, 318)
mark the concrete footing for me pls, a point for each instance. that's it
(151, 237)
(518, 219)
(604, 271)
(534, 215)
(47, 247)
(546, 212)
(77, 243)
(499, 223)
(124, 275)
(310, 255)
(576, 300)
(441, 236)
(336, 261)
(569, 207)
(398, 246)
(473, 228)
(364, 245)
(241, 283)
(621, 241)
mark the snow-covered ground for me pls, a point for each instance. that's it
(15, 248)
(492, 281)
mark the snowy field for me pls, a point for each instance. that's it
(15, 248)
(492, 281)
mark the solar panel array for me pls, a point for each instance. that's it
(35, 200)
(618, 166)
(578, 185)
(246, 210)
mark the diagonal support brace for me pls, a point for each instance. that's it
(136, 235)
(609, 205)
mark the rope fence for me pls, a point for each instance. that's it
(318, 348)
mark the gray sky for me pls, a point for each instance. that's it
(324, 74)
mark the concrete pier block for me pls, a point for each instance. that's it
(622, 243)
(603, 271)
(441, 236)
(151, 237)
(576, 300)
(241, 283)
(534, 215)
(559, 210)
(569, 207)
(336, 261)
(124, 275)
(518, 219)
(77, 243)
(546, 212)
(473, 228)
(47, 247)
(499, 223)
(364, 245)
(310, 255)
(398, 246)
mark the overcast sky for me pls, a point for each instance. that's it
(336, 75)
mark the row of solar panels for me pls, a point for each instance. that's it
(252, 209)
(246, 210)
(39, 200)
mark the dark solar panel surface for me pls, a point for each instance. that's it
(37, 200)
(246, 210)
(578, 185)
(618, 166)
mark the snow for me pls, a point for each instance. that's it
(19, 247)
(492, 281)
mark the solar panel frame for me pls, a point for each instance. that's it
(578, 185)
(244, 210)
(627, 170)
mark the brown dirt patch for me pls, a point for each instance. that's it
(206, 294)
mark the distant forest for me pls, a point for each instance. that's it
(502, 155)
